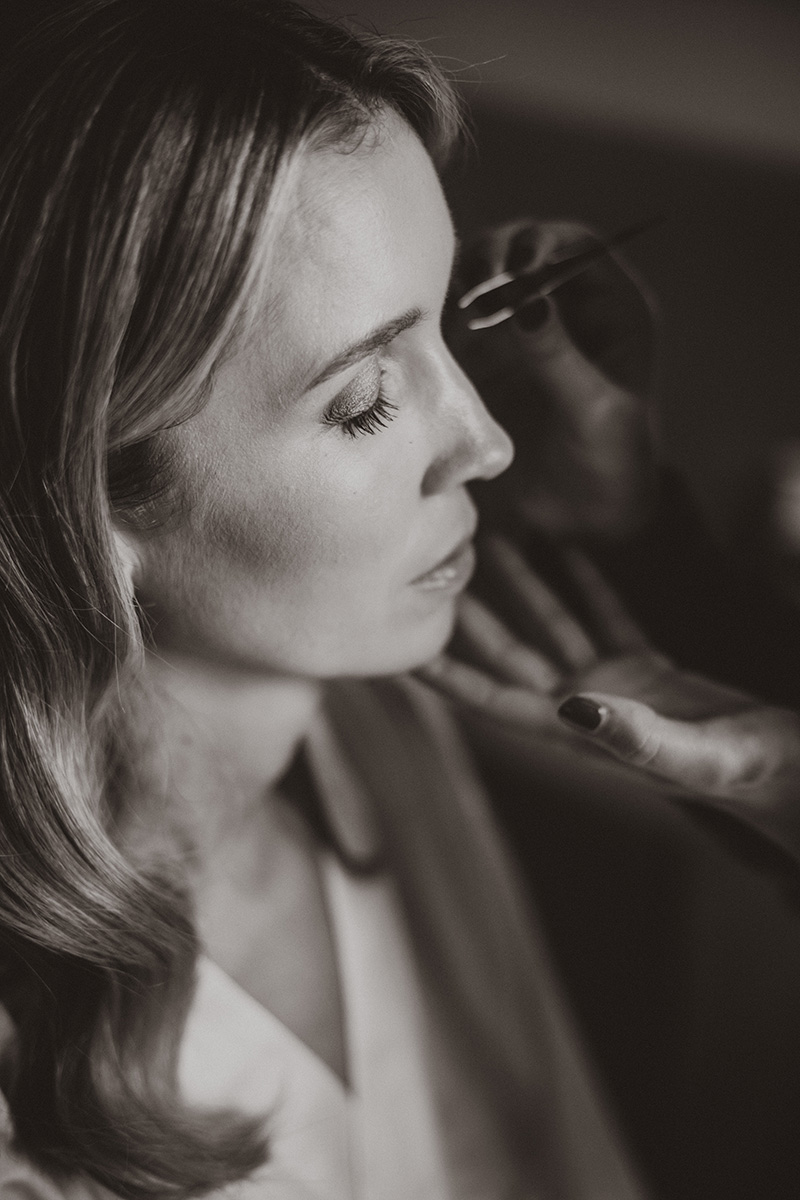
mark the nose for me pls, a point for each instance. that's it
(471, 445)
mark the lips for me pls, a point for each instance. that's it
(442, 563)
(451, 572)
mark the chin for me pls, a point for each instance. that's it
(400, 654)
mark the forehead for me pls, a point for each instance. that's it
(366, 236)
(378, 193)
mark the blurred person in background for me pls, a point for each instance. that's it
(655, 805)
(571, 376)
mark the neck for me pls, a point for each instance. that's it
(223, 738)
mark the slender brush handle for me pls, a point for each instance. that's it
(504, 294)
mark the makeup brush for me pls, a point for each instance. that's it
(500, 297)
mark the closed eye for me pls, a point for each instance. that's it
(363, 406)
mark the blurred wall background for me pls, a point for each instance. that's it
(612, 113)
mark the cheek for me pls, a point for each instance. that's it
(351, 539)
(318, 522)
(301, 562)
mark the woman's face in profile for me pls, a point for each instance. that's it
(325, 478)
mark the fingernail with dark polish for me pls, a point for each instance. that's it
(533, 316)
(582, 713)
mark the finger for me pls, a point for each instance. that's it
(513, 247)
(482, 693)
(533, 314)
(612, 317)
(494, 645)
(484, 255)
(715, 757)
(530, 247)
(542, 605)
(523, 248)
(615, 626)
(535, 242)
(562, 366)
(609, 313)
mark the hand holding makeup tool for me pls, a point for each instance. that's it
(502, 296)
(614, 692)
(568, 378)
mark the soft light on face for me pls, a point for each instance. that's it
(325, 478)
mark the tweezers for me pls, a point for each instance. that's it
(508, 292)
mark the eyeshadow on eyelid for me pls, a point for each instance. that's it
(359, 393)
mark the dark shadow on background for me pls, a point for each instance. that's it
(725, 267)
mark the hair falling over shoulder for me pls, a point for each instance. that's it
(143, 144)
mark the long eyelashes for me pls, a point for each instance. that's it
(372, 419)
(369, 420)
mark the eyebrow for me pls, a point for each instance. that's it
(379, 337)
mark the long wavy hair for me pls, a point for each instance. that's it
(144, 147)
